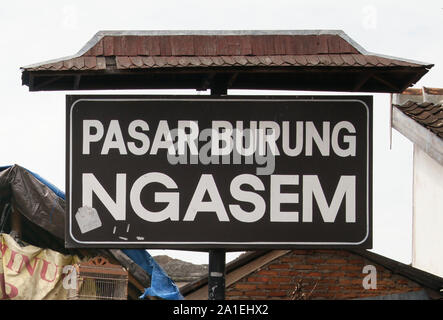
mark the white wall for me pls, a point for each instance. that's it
(427, 214)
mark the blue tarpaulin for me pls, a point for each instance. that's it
(162, 285)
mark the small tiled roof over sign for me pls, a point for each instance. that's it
(425, 106)
(305, 60)
(418, 115)
(428, 114)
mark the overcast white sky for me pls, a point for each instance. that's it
(32, 125)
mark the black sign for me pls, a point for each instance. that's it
(231, 172)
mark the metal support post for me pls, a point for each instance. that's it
(216, 276)
(217, 257)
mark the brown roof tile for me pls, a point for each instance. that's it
(90, 62)
(148, 61)
(249, 53)
(144, 62)
(427, 114)
(435, 91)
(413, 91)
(128, 62)
(152, 51)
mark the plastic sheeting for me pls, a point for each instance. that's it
(34, 199)
(56, 190)
(161, 285)
(44, 204)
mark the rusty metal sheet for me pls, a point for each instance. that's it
(322, 44)
(345, 47)
(205, 45)
(119, 46)
(130, 45)
(223, 50)
(294, 45)
(108, 46)
(165, 46)
(257, 46)
(228, 46)
(333, 44)
(96, 50)
(310, 44)
(148, 46)
(280, 44)
(182, 45)
(245, 45)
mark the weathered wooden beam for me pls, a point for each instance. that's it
(77, 79)
(232, 79)
(362, 80)
(387, 83)
(206, 83)
(42, 85)
(132, 267)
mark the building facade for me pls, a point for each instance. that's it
(418, 115)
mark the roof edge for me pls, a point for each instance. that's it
(103, 33)
(100, 34)
(422, 277)
(424, 138)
